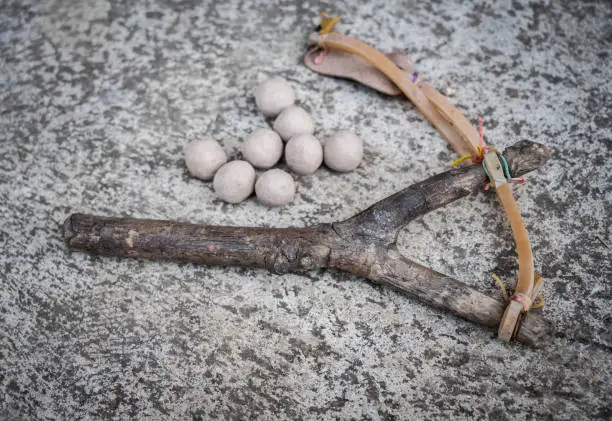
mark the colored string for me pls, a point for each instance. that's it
(501, 286)
(506, 169)
(319, 57)
(481, 147)
(460, 160)
(480, 132)
(538, 301)
(328, 23)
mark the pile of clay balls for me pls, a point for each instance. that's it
(292, 130)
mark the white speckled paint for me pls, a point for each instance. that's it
(97, 100)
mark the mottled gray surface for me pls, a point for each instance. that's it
(97, 99)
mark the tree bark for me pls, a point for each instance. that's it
(280, 250)
(384, 219)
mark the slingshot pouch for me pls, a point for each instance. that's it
(349, 66)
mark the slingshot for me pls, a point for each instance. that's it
(460, 134)
(364, 244)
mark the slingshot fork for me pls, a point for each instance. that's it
(363, 245)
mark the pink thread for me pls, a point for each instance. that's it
(518, 180)
(482, 148)
(519, 299)
(319, 57)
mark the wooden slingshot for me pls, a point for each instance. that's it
(364, 244)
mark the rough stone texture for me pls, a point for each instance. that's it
(96, 101)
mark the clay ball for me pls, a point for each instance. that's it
(343, 151)
(274, 95)
(293, 121)
(263, 148)
(304, 154)
(275, 188)
(204, 157)
(234, 181)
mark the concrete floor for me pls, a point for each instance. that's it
(97, 100)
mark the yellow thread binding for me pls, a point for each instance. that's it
(466, 157)
(501, 286)
(460, 160)
(538, 301)
(328, 24)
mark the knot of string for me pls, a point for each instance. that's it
(527, 302)
(506, 170)
(328, 23)
(481, 148)
(478, 158)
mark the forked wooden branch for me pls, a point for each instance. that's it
(363, 245)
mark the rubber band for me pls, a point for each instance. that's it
(435, 110)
